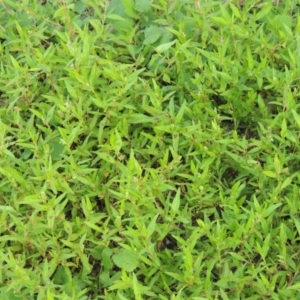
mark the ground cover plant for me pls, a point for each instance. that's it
(149, 149)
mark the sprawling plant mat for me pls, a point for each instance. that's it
(149, 149)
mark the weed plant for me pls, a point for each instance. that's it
(149, 149)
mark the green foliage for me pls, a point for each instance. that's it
(125, 260)
(149, 149)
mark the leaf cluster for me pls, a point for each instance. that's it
(149, 149)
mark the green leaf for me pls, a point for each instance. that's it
(283, 128)
(286, 182)
(136, 288)
(79, 7)
(57, 148)
(60, 276)
(93, 226)
(129, 8)
(133, 165)
(152, 34)
(179, 116)
(87, 268)
(296, 117)
(15, 63)
(270, 174)
(143, 5)
(116, 141)
(71, 90)
(122, 297)
(250, 58)
(6, 208)
(237, 256)
(294, 287)
(115, 17)
(126, 260)
(176, 202)
(277, 164)
(178, 276)
(106, 157)
(235, 11)
(297, 223)
(105, 278)
(235, 157)
(271, 209)
(50, 217)
(263, 12)
(106, 260)
(151, 226)
(164, 47)
(266, 245)
(140, 118)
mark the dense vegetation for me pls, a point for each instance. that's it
(149, 149)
